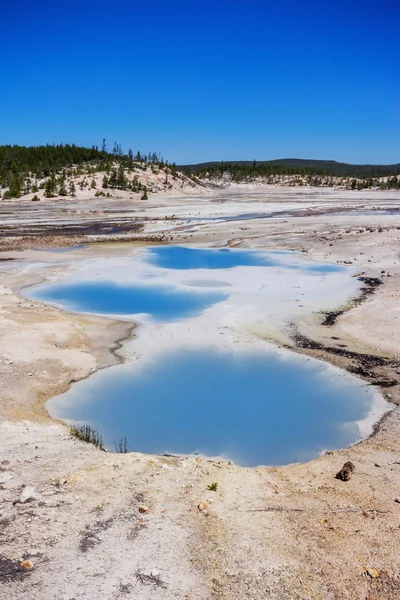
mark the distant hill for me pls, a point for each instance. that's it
(299, 165)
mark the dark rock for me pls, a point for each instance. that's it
(345, 472)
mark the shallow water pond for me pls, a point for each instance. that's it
(179, 257)
(161, 303)
(204, 380)
(252, 407)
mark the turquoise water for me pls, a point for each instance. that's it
(179, 257)
(161, 303)
(170, 302)
(254, 408)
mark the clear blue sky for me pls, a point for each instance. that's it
(206, 80)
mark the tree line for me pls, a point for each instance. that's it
(314, 173)
(296, 166)
(25, 169)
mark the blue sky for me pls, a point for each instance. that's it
(207, 80)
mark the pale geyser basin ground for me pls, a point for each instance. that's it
(205, 382)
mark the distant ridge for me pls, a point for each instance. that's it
(299, 165)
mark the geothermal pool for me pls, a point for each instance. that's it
(203, 379)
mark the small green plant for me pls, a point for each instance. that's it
(35, 198)
(86, 433)
(122, 446)
(144, 195)
(213, 486)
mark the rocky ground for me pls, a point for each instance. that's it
(76, 522)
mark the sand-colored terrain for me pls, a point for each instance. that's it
(282, 533)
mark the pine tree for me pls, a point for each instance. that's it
(72, 188)
(62, 190)
(144, 195)
(15, 186)
(93, 185)
(50, 187)
(105, 182)
(112, 180)
(121, 180)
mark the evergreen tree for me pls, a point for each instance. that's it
(72, 188)
(15, 186)
(144, 195)
(112, 180)
(62, 190)
(121, 180)
(50, 187)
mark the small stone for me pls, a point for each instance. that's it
(203, 506)
(155, 573)
(374, 573)
(28, 494)
(27, 564)
(143, 508)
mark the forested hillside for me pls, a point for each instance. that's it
(53, 168)
(293, 166)
(59, 170)
(301, 172)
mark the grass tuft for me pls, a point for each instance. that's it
(122, 446)
(87, 434)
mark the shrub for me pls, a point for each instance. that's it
(213, 486)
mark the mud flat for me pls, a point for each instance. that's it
(102, 525)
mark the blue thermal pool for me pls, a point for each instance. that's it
(254, 408)
(204, 381)
(161, 303)
(179, 257)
